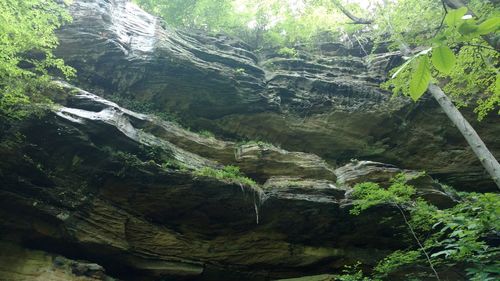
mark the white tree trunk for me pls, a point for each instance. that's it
(487, 159)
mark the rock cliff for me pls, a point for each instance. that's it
(93, 190)
(91, 180)
(325, 102)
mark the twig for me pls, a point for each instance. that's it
(418, 241)
(424, 52)
(488, 64)
(444, 6)
(442, 20)
(482, 46)
(346, 12)
(361, 45)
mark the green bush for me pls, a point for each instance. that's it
(228, 173)
(288, 52)
(453, 238)
(206, 134)
(27, 63)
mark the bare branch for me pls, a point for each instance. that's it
(442, 20)
(418, 242)
(346, 12)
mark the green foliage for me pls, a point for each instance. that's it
(174, 164)
(370, 194)
(454, 17)
(154, 152)
(12, 142)
(288, 52)
(204, 14)
(456, 237)
(260, 23)
(489, 26)
(239, 71)
(395, 261)
(420, 78)
(474, 79)
(143, 107)
(206, 134)
(352, 273)
(461, 234)
(443, 59)
(26, 42)
(128, 160)
(230, 174)
(148, 156)
(462, 61)
(258, 142)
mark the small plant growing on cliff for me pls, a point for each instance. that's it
(259, 143)
(371, 194)
(174, 164)
(154, 152)
(206, 134)
(288, 52)
(239, 71)
(352, 273)
(228, 173)
(144, 107)
(128, 160)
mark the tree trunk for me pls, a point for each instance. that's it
(478, 147)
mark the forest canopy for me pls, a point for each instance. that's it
(278, 22)
(263, 22)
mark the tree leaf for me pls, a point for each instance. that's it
(443, 59)
(468, 29)
(489, 26)
(454, 17)
(420, 78)
(446, 253)
(436, 224)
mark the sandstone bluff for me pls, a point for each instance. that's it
(99, 191)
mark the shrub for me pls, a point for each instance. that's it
(230, 174)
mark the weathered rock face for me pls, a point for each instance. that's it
(119, 193)
(325, 103)
(122, 49)
(101, 183)
(17, 263)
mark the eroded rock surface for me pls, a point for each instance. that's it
(88, 181)
(91, 180)
(17, 263)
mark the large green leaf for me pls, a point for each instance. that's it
(420, 78)
(489, 25)
(468, 29)
(443, 59)
(454, 17)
